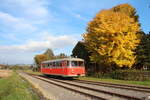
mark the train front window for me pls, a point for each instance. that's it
(81, 63)
(74, 63)
(77, 63)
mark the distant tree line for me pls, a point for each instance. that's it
(15, 67)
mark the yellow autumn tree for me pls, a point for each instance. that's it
(112, 37)
(39, 58)
(127, 9)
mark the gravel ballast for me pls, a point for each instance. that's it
(52, 92)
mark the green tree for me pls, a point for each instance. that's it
(143, 52)
(61, 55)
(80, 51)
(49, 53)
(112, 38)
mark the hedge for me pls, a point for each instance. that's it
(132, 75)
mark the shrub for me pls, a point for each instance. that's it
(133, 75)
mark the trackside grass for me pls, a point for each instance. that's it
(15, 88)
(30, 71)
(145, 83)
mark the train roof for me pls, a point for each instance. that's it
(70, 59)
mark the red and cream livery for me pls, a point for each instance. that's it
(67, 67)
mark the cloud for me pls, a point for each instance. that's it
(24, 53)
(79, 16)
(47, 41)
(9, 36)
(18, 17)
(33, 10)
(74, 13)
(15, 23)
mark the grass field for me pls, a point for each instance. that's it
(145, 83)
(15, 88)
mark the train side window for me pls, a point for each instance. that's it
(74, 63)
(68, 63)
(60, 64)
(57, 64)
(46, 65)
(43, 65)
(51, 65)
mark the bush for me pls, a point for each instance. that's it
(99, 75)
(133, 75)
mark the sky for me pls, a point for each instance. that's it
(29, 27)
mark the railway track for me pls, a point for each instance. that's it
(114, 85)
(88, 91)
(68, 88)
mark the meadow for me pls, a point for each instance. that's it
(14, 87)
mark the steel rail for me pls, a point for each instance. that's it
(134, 86)
(74, 90)
(128, 87)
(84, 87)
(97, 90)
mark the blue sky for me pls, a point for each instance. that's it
(29, 27)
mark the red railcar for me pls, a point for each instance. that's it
(66, 67)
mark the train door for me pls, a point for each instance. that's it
(64, 63)
(50, 67)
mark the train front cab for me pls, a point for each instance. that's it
(75, 68)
